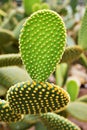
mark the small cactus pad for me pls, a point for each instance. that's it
(56, 122)
(71, 54)
(6, 114)
(42, 43)
(36, 98)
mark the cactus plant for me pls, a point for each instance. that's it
(6, 114)
(44, 38)
(42, 44)
(36, 98)
(73, 89)
(56, 122)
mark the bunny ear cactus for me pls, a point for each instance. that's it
(42, 43)
(56, 122)
(82, 38)
(6, 114)
(36, 98)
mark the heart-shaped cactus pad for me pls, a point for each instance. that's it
(42, 43)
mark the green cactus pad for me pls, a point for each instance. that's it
(56, 122)
(42, 43)
(82, 38)
(72, 88)
(36, 98)
(71, 54)
(6, 114)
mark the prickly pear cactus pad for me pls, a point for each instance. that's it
(36, 98)
(6, 114)
(42, 43)
(56, 122)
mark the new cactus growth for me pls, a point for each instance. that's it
(36, 98)
(56, 122)
(43, 36)
(6, 114)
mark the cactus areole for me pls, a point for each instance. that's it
(42, 43)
